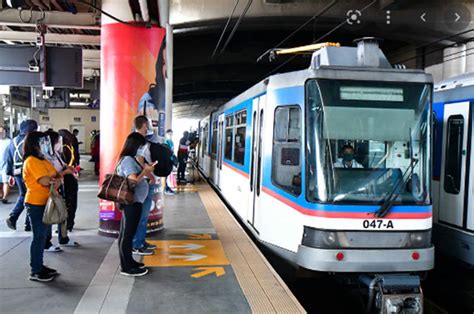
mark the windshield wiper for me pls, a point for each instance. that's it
(389, 201)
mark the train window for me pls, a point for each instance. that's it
(454, 152)
(235, 134)
(229, 133)
(286, 165)
(239, 141)
(205, 137)
(214, 139)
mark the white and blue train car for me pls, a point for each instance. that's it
(453, 172)
(274, 153)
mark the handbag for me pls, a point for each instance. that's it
(117, 189)
(56, 210)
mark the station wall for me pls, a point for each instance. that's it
(67, 118)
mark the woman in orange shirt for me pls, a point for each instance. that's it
(39, 174)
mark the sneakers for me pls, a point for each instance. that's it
(134, 272)
(142, 251)
(69, 243)
(27, 228)
(11, 223)
(5, 201)
(49, 270)
(149, 246)
(170, 192)
(53, 249)
(42, 276)
(139, 265)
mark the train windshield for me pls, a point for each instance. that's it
(368, 141)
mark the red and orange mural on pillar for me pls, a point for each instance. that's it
(128, 68)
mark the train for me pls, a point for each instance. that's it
(330, 168)
(453, 176)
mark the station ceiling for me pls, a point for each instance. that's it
(207, 74)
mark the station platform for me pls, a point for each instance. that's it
(205, 263)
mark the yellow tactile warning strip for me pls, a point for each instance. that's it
(187, 253)
(186, 188)
(263, 288)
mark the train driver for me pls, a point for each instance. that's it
(347, 160)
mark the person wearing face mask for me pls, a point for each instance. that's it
(57, 161)
(14, 162)
(140, 245)
(71, 187)
(131, 168)
(39, 174)
(347, 160)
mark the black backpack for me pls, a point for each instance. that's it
(163, 154)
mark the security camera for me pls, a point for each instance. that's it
(16, 4)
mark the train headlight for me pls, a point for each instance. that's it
(320, 238)
(330, 239)
(421, 239)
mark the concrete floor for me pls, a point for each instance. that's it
(90, 281)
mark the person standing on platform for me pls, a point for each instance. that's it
(140, 246)
(58, 163)
(169, 142)
(14, 160)
(39, 175)
(4, 144)
(71, 187)
(76, 144)
(183, 154)
(129, 167)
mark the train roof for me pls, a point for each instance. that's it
(364, 62)
(463, 80)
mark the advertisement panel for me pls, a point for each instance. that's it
(132, 64)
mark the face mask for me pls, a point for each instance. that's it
(45, 146)
(348, 157)
(58, 147)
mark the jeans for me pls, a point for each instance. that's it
(20, 202)
(39, 230)
(128, 227)
(181, 168)
(140, 235)
(70, 191)
(49, 236)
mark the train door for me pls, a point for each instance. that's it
(455, 165)
(256, 158)
(220, 131)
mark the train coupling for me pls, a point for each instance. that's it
(394, 293)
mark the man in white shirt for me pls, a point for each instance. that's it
(347, 160)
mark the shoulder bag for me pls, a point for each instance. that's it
(56, 210)
(118, 189)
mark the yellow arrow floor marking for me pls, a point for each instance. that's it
(200, 236)
(187, 253)
(205, 271)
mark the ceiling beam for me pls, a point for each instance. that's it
(61, 26)
(50, 17)
(65, 39)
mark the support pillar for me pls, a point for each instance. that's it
(129, 56)
(169, 78)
